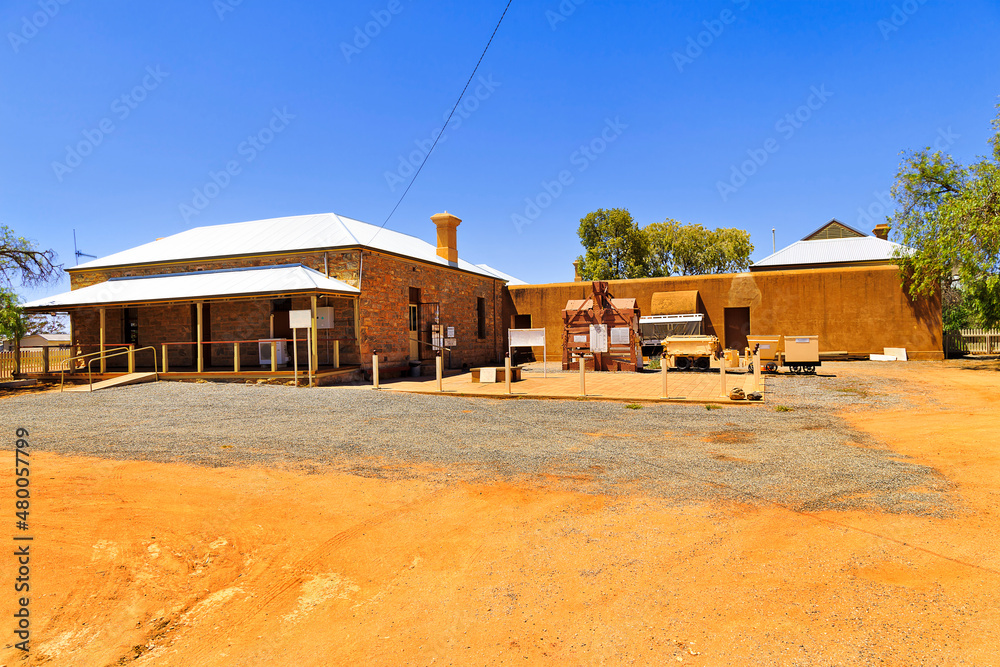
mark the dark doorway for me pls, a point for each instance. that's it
(737, 328)
(130, 326)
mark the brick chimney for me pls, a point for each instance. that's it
(447, 235)
(882, 231)
(576, 271)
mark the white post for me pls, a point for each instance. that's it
(103, 335)
(756, 371)
(274, 356)
(295, 355)
(583, 373)
(545, 354)
(663, 374)
(506, 375)
(439, 366)
(375, 369)
(722, 374)
(310, 341)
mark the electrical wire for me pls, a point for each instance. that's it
(438, 137)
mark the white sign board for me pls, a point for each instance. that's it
(488, 374)
(449, 332)
(619, 336)
(527, 337)
(300, 319)
(580, 338)
(598, 337)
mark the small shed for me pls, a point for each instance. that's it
(605, 328)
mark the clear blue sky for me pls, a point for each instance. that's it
(183, 85)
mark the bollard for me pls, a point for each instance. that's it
(375, 369)
(583, 374)
(131, 358)
(274, 356)
(439, 364)
(722, 373)
(663, 374)
(506, 371)
(756, 371)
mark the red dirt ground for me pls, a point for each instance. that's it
(165, 564)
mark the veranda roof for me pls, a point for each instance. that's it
(243, 282)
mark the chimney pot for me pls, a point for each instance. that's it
(882, 231)
(447, 244)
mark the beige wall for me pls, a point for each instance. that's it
(860, 310)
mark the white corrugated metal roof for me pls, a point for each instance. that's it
(831, 251)
(283, 279)
(302, 232)
(511, 280)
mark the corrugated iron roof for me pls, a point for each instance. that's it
(511, 280)
(831, 251)
(282, 279)
(303, 232)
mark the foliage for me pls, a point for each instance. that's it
(949, 215)
(21, 261)
(13, 323)
(615, 246)
(55, 323)
(687, 250)
(955, 310)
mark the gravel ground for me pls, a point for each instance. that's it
(806, 457)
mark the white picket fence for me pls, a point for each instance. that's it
(974, 341)
(32, 361)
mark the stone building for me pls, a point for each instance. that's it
(206, 297)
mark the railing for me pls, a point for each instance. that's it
(123, 349)
(33, 360)
(973, 341)
(131, 362)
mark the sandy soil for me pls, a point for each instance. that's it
(167, 564)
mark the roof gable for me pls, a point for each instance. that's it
(834, 229)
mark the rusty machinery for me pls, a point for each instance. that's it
(606, 327)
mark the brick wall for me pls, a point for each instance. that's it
(343, 265)
(385, 299)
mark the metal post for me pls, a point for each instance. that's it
(236, 357)
(756, 371)
(201, 356)
(506, 371)
(274, 356)
(722, 374)
(375, 368)
(583, 373)
(663, 374)
(295, 355)
(336, 354)
(439, 364)
(131, 358)
(166, 367)
(103, 363)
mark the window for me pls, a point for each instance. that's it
(481, 316)
(130, 326)
(413, 317)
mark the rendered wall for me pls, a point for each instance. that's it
(859, 310)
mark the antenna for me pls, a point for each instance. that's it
(774, 248)
(79, 253)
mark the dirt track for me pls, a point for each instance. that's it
(174, 564)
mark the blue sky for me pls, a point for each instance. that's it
(121, 119)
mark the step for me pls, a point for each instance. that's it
(120, 381)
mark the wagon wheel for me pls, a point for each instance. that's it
(750, 367)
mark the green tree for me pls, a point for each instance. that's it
(948, 220)
(13, 324)
(614, 246)
(688, 249)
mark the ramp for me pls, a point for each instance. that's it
(120, 381)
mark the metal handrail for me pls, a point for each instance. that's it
(62, 371)
(118, 353)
